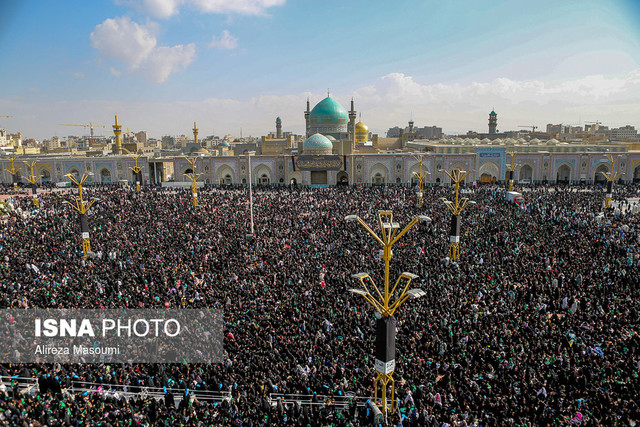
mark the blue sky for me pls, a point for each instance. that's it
(161, 64)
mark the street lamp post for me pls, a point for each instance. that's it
(512, 168)
(611, 176)
(420, 177)
(249, 154)
(13, 170)
(194, 178)
(137, 172)
(33, 180)
(456, 176)
(82, 207)
(382, 301)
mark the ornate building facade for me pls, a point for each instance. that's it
(364, 168)
(334, 152)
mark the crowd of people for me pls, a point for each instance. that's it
(535, 324)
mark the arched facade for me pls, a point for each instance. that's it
(598, 176)
(563, 173)
(415, 169)
(104, 175)
(342, 178)
(525, 174)
(358, 168)
(489, 172)
(262, 175)
(297, 177)
(46, 175)
(73, 171)
(378, 174)
(225, 175)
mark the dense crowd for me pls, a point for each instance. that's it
(536, 324)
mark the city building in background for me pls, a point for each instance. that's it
(337, 150)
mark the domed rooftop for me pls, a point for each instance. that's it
(361, 127)
(317, 144)
(329, 111)
(225, 144)
(362, 132)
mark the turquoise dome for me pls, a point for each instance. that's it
(225, 144)
(317, 143)
(329, 111)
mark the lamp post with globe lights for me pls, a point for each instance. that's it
(611, 176)
(511, 169)
(456, 208)
(193, 176)
(249, 154)
(33, 180)
(420, 176)
(13, 170)
(82, 206)
(137, 172)
(385, 302)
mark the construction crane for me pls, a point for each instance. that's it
(533, 127)
(130, 135)
(90, 125)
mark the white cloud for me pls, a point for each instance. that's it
(243, 7)
(135, 45)
(161, 8)
(124, 40)
(460, 107)
(157, 8)
(115, 72)
(167, 8)
(164, 61)
(224, 41)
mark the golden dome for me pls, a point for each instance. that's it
(361, 127)
(362, 132)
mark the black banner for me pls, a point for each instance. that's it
(318, 163)
(386, 339)
(455, 226)
(84, 223)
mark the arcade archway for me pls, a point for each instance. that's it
(563, 174)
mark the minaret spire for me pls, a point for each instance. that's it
(351, 128)
(306, 118)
